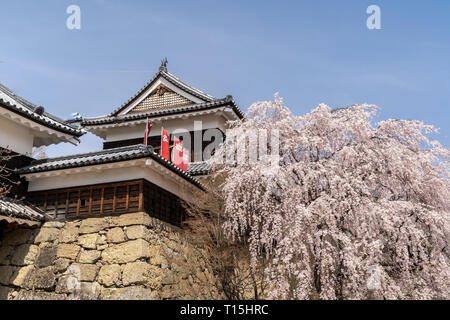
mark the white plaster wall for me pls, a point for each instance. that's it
(124, 133)
(15, 137)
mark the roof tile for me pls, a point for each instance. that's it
(19, 209)
(28, 110)
(227, 102)
(102, 157)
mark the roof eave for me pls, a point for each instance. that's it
(13, 108)
(227, 102)
(172, 79)
(147, 152)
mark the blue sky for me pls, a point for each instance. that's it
(308, 51)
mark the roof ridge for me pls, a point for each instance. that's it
(178, 107)
(146, 151)
(208, 96)
(44, 119)
(228, 100)
(31, 108)
(135, 95)
(87, 154)
(14, 96)
(172, 79)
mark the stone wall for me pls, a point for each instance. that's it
(120, 257)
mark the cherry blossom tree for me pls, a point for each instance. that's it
(355, 210)
(227, 260)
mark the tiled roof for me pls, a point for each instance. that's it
(227, 102)
(102, 157)
(199, 168)
(182, 85)
(172, 79)
(19, 105)
(10, 208)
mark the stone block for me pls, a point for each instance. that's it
(101, 241)
(126, 252)
(88, 272)
(135, 273)
(37, 295)
(6, 273)
(109, 274)
(156, 257)
(5, 252)
(19, 236)
(69, 251)
(25, 254)
(130, 219)
(137, 232)
(168, 293)
(22, 276)
(62, 264)
(89, 256)
(102, 247)
(168, 278)
(115, 235)
(154, 276)
(53, 224)
(92, 225)
(64, 284)
(88, 241)
(73, 224)
(69, 234)
(47, 256)
(86, 291)
(128, 293)
(47, 235)
(44, 278)
(5, 293)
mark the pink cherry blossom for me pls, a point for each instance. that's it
(356, 209)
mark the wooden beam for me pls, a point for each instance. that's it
(56, 204)
(67, 202)
(101, 200)
(114, 199)
(127, 197)
(78, 203)
(141, 195)
(90, 202)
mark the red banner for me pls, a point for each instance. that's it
(165, 140)
(177, 153)
(185, 159)
(148, 128)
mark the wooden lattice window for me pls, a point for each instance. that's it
(110, 199)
